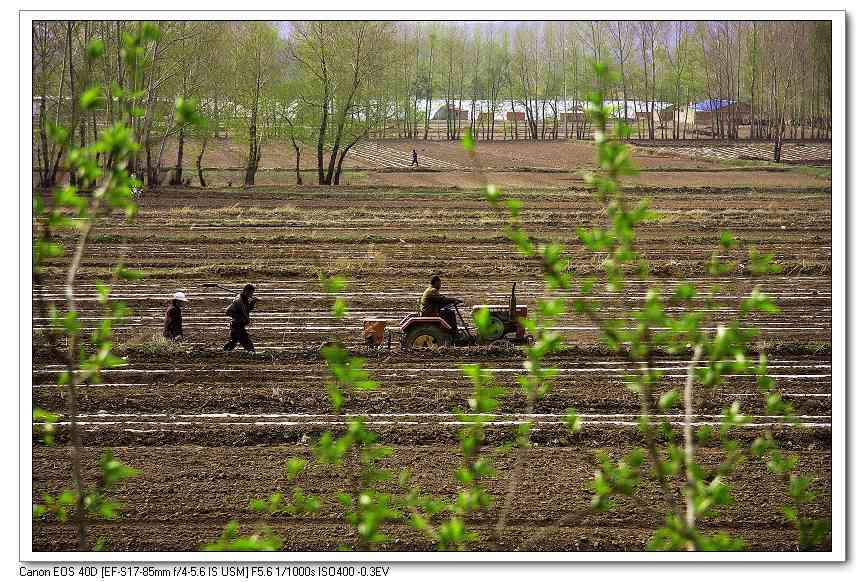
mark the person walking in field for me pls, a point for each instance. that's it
(172, 329)
(414, 158)
(239, 311)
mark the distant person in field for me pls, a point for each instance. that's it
(173, 327)
(414, 158)
(434, 304)
(239, 311)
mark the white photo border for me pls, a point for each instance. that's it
(839, 281)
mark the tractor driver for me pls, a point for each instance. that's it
(434, 304)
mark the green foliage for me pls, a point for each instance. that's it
(46, 427)
(655, 328)
(573, 421)
(92, 98)
(231, 541)
(675, 536)
(469, 140)
(484, 323)
(101, 168)
(300, 504)
(333, 285)
(347, 373)
(366, 508)
(186, 111)
(58, 507)
(97, 501)
(759, 264)
(95, 49)
(619, 479)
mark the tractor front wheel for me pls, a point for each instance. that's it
(427, 336)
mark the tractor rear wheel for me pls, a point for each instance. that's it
(427, 336)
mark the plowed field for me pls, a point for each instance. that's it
(211, 431)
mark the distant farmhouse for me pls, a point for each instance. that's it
(706, 112)
(441, 113)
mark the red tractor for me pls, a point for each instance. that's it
(416, 331)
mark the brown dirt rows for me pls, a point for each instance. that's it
(562, 155)
(387, 244)
(683, 179)
(163, 510)
(792, 153)
(196, 476)
(293, 382)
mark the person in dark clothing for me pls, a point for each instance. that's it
(239, 311)
(434, 304)
(173, 327)
(414, 158)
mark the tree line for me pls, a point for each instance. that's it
(327, 85)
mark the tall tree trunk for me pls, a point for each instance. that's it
(177, 180)
(254, 154)
(73, 180)
(198, 161)
(296, 147)
(319, 148)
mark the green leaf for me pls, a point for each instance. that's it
(464, 476)
(95, 49)
(760, 264)
(492, 194)
(186, 111)
(469, 140)
(294, 466)
(483, 322)
(758, 301)
(333, 284)
(685, 292)
(149, 32)
(91, 98)
(57, 133)
(128, 274)
(514, 205)
(669, 399)
(728, 241)
(573, 421)
(336, 397)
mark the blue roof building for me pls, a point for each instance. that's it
(712, 105)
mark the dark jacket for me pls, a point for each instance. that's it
(239, 311)
(173, 326)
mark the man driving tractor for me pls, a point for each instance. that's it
(434, 304)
